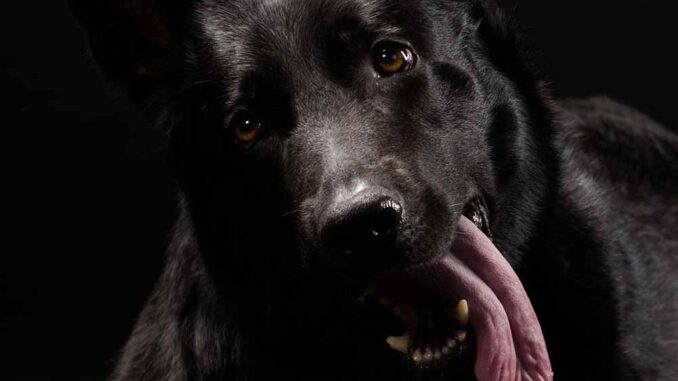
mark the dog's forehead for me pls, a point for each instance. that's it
(291, 20)
(242, 31)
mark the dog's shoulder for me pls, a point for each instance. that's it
(620, 169)
(618, 144)
(620, 176)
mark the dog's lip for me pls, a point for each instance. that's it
(478, 212)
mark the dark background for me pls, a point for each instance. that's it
(88, 202)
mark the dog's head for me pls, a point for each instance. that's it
(344, 138)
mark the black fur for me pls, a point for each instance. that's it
(582, 193)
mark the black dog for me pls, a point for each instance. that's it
(350, 170)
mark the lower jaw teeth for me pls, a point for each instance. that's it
(433, 355)
(427, 354)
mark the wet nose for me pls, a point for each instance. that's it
(365, 222)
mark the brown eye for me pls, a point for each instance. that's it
(392, 58)
(245, 127)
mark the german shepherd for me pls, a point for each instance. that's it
(385, 190)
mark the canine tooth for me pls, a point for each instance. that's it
(400, 343)
(460, 336)
(416, 356)
(428, 355)
(451, 343)
(462, 312)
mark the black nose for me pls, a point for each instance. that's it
(362, 224)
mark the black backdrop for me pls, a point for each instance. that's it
(87, 201)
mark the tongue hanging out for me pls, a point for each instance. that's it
(510, 344)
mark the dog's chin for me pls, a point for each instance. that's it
(465, 307)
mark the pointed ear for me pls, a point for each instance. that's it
(138, 43)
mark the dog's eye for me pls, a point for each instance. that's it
(245, 127)
(392, 58)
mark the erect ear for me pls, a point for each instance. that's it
(136, 42)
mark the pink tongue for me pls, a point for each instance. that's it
(509, 338)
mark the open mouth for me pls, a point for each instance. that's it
(469, 304)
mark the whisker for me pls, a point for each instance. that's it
(291, 212)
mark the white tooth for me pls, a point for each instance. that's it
(436, 354)
(399, 343)
(445, 350)
(451, 343)
(416, 356)
(462, 312)
(460, 336)
(428, 355)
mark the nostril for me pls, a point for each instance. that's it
(363, 224)
(386, 218)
